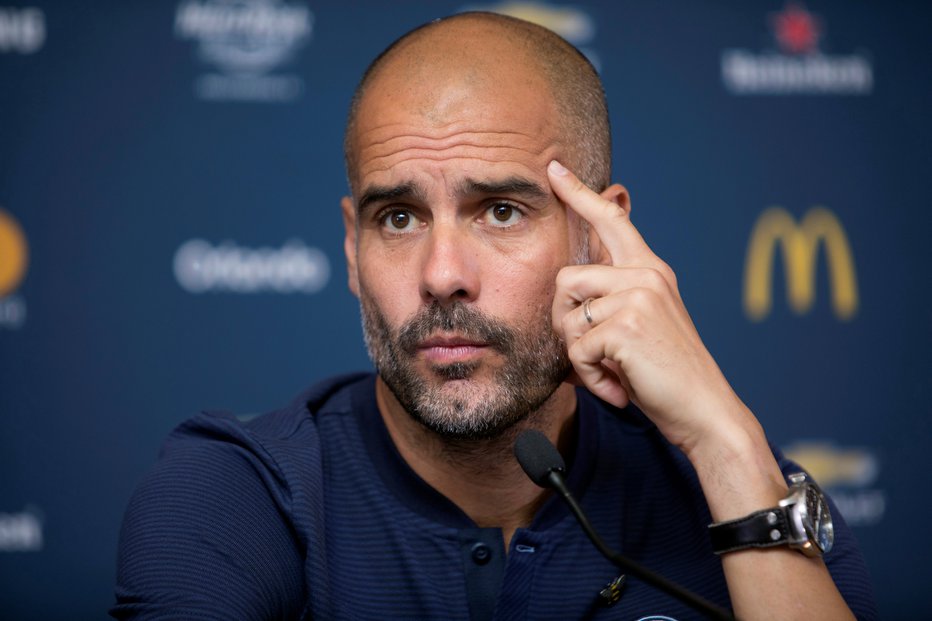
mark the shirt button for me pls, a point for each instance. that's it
(481, 554)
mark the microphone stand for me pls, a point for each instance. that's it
(555, 478)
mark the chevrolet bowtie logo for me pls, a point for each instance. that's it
(832, 466)
(800, 244)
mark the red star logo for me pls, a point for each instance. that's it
(797, 30)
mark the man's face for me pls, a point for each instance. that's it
(453, 245)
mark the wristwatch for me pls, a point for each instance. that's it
(802, 520)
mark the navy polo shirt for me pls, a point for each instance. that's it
(310, 512)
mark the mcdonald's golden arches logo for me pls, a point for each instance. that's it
(14, 254)
(800, 244)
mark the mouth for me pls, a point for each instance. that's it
(450, 349)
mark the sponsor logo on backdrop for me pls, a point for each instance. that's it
(776, 228)
(22, 29)
(246, 43)
(14, 259)
(798, 66)
(847, 474)
(570, 22)
(202, 267)
(21, 532)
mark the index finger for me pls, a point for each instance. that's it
(609, 219)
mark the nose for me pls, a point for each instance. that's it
(450, 267)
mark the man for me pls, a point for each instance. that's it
(491, 279)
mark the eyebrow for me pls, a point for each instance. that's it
(409, 190)
(514, 186)
(381, 194)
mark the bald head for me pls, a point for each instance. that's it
(489, 54)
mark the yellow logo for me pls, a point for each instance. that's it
(13, 254)
(800, 244)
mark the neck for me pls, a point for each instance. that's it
(482, 477)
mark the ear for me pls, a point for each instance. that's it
(349, 243)
(617, 194)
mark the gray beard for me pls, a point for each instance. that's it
(535, 365)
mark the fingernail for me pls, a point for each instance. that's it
(557, 168)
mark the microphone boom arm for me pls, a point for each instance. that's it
(555, 479)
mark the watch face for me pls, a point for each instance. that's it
(818, 520)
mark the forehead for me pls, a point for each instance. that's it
(449, 116)
(452, 153)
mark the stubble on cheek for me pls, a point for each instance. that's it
(452, 399)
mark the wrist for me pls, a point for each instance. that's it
(737, 470)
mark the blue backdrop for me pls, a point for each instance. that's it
(170, 238)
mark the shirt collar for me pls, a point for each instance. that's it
(414, 492)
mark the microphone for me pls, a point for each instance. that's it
(544, 465)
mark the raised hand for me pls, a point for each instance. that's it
(626, 328)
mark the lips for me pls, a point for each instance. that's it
(443, 349)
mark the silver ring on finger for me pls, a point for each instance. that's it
(586, 310)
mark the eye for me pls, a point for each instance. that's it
(398, 220)
(503, 215)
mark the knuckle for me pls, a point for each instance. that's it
(574, 352)
(667, 272)
(643, 297)
(655, 279)
(629, 320)
(566, 276)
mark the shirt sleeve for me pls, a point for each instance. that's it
(205, 535)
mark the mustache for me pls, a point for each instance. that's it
(459, 318)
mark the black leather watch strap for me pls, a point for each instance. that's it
(762, 529)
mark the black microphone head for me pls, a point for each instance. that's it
(538, 457)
